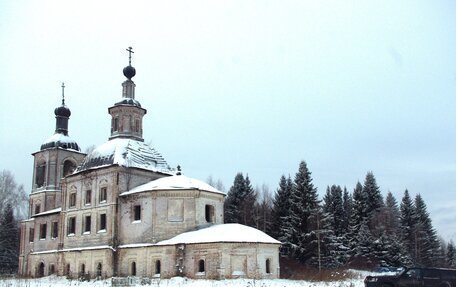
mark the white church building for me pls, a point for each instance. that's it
(122, 211)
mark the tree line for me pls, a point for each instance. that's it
(358, 228)
(13, 200)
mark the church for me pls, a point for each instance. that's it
(121, 210)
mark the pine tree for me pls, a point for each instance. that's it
(427, 245)
(408, 221)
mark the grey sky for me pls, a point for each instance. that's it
(250, 86)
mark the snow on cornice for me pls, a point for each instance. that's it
(56, 210)
(176, 182)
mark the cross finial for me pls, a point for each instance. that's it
(63, 94)
(130, 50)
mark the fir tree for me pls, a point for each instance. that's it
(451, 255)
(374, 200)
(427, 245)
(359, 210)
(392, 215)
(348, 207)
(9, 241)
(234, 200)
(306, 208)
(280, 210)
(408, 223)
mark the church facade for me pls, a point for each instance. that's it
(122, 211)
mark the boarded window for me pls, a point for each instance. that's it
(239, 265)
(175, 210)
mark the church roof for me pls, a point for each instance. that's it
(127, 153)
(60, 140)
(229, 232)
(176, 182)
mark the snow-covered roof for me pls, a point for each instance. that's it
(60, 140)
(56, 210)
(229, 232)
(175, 182)
(127, 153)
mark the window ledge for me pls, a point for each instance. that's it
(42, 239)
(136, 221)
(86, 232)
(102, 231)
(70, 235)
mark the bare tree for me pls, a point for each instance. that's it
(13, 194)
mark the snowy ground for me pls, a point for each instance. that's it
(53, 281)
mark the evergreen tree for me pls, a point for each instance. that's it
(392, 214)
(348, 207)
(248, 203)
(408, 221)
(234, 199)
(374, 200)
(427, 245)
(451, 255)
(359, 210)
(9, 241)
(306, 208)
(281, 206)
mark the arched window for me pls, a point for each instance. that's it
(157, 267)
(82, 270)
(201, 266)
(133, 268)
(40, 270)
(115, 124)
(68, 167)
(99, 269)
(40, 173)
(268, 266)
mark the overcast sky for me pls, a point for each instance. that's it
(246, 86)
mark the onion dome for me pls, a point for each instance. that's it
(62, 111)
(129, 72)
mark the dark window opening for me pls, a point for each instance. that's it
(99, 269)
(40, 175)
(137, 125)
(43, 228)
(55, 230)
(82, 270)
(115, 124)
(87, 223)
(68, 270)
(102, 222)
(31, 234)
(201, 265)
(88, 196)
(209, 213)
(41, 270)
(68, 167)
(51, 269)
(157, 267)
(103, 194)
(71, 225)
(133, 268)
(37, 208)
(137, 211)
(268, 266)
(72, 199)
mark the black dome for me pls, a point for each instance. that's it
(62, 111)
(129, 72)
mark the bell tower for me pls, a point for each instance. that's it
(127, 115)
